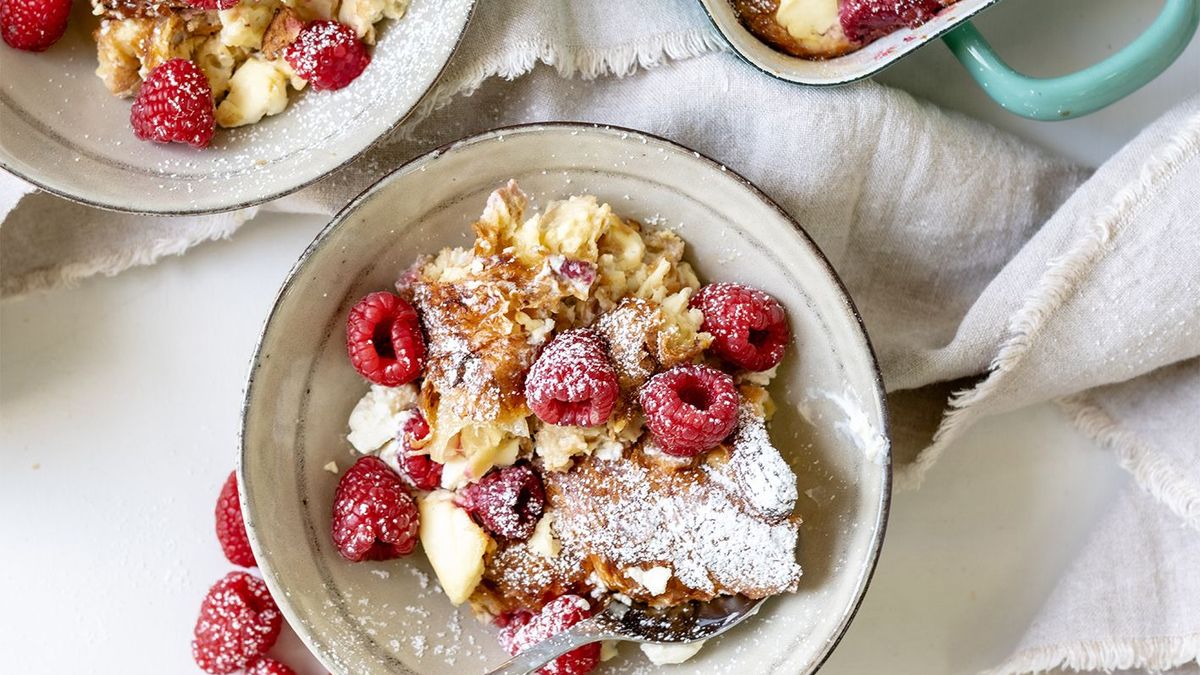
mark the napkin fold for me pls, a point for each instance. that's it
(990, 274)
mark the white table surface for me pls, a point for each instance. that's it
(119, 409)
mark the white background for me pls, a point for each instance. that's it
(119, 408)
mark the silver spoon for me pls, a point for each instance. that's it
(638, 623)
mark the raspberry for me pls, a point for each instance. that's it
(508, 502)
(689, 409)
(580, 273)
(557, 616)
(374, 518)
(383, 337)
(33, 25)
(328, 54)
(572, 381)
(174, 105)
(268, 667)
(417, 469)
(231, 529)
(509, 624)
(866, 20)
(748, 326)
(213, 4)
(238, 623)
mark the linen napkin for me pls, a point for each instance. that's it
(981, 264)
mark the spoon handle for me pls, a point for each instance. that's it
(582, 633)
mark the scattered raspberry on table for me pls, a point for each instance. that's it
(238, 623)
(268, 667)
(231, 529)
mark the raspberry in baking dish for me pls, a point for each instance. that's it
(821, 29)
(588, 421)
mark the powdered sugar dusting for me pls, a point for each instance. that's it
(638, 516)
(756, 471)
(626, 328)
(854, 425)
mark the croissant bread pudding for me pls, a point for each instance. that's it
(820, 29)
(194, 65)
(562, 414)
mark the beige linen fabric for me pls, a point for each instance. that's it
(984, 268)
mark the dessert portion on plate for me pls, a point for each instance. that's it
(820, 29)
(193, 65)
(251, 53)
(561, 414)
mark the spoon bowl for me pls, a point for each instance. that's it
(689, 622)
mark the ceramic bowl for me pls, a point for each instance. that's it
(64, 132)
(389, 617)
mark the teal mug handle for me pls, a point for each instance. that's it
(1085, 91)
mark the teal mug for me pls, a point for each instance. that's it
(1087, 90)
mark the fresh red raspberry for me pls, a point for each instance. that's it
(579, 272)
(33, 25)
(509, 623)
(174, 105)
(328, 54)
(268, 667)
(417, 469)
(689, 409)
(557, 616)
(748, 326)
(384, 340)
(213, 4)
(238, 623)
(573, 381)
(374, 518)
(508, 502)
(866, 20)
(231, 529)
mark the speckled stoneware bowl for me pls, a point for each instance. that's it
(63, 131)
(389, 617)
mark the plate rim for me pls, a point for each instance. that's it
(257, 201)
(620, 133)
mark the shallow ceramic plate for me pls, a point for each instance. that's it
(64, 132)
(389, 617)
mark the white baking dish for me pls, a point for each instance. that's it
(1054, 98)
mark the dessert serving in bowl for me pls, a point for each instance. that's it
(193, 106)
(631, 378)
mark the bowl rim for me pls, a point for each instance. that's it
(491, 135)
(279, 194)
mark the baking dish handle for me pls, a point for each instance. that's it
(1087, 90)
